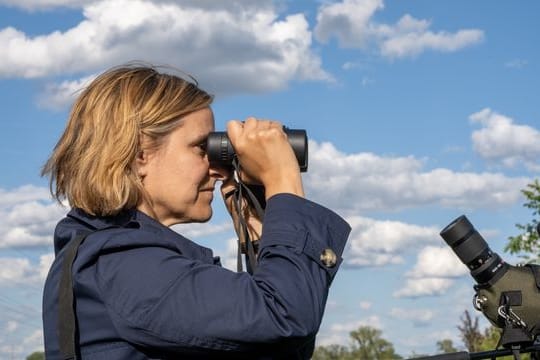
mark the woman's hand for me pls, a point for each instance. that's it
(266, 156)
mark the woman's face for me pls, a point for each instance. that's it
(177, 176)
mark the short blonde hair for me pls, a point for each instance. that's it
(92, 163)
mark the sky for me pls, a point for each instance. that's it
(416, 111)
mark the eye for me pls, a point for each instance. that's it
(202, 147)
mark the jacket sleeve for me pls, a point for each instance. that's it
(158, 298)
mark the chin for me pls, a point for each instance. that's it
(203, 217)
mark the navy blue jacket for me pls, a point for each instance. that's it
(143, 291)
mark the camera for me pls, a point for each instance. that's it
(221, 152)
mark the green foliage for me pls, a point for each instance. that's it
(415, 355)
(490, 339)
(477, 341)
(332, 352)
(367, 343)
(446, 346)
(527, 244)
(38, 355)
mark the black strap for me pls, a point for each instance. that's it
(243, 234)
(67, 324)
(255, 198)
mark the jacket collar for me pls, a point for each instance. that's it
(124, 219)
(135, 219)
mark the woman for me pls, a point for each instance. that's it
(131, 163)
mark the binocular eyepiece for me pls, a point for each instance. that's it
(221, 152)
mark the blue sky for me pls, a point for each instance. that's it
(417, 112)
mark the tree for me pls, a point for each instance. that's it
(470, 332)
(528, 242)
(490, 340)
(476, 341)
(446, 346)
(368, 344)
(38, 355)
(331, 352)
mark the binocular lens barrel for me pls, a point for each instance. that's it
(471, 248)
(221, 152)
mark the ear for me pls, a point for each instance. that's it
(141, 163)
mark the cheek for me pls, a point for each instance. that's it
(194, 172)
(200, 169)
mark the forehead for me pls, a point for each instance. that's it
(197, 124)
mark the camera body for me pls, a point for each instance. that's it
(509, 296)
(221, 152)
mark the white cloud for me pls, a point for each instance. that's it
(34, 341)
(21, 271)
(229, 259)
(15, 270)
(350, 21)
(204, 4)
(410, 37)
(14, 349)
(365, 305)
(424, 287)
(11, 326)
(418, 317)
(195, 230)
(61, 95)
(433, 273)
(516, 63)
(356, 183)
(434, 261)
(500, 140)
(45, 262)
(325, 338)
(338, 333)
(378, 243)
(30, 222)
(373, 321)
(242, 47)
(22, 194)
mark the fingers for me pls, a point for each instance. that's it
(236, 128)
(251, 133)
(265, 155)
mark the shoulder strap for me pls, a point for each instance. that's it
(67, 324)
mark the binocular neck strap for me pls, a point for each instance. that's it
(245, 240)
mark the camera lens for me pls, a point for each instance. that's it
(485, 266)
(221, 152)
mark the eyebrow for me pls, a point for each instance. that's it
(199, 139)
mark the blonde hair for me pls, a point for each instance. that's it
(92, 164)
